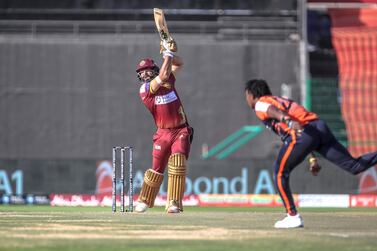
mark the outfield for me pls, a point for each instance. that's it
(68, 228)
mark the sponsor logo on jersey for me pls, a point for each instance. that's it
(165, 99)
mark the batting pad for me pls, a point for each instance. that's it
(176, 179)
(151, 186)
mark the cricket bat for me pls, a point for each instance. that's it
(161, 25)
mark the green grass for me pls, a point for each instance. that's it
(198, 228)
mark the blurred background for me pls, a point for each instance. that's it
(69, 91)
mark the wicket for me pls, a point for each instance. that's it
(122, 150)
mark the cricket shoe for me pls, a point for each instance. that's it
(290, 222)
(173, 208)
(141, 207)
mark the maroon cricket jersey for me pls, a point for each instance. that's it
(164, 104)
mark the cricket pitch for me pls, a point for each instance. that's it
(63, 228)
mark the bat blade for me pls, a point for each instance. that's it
(161, 24)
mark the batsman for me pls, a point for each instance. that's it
(172, 140)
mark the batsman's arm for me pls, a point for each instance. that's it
(172, 47)
(164, 73)
(176, 65)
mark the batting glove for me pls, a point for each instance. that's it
(170, 45)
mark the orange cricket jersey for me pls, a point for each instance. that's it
(294, 110)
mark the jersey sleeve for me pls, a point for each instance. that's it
(145, 90)
(261, 108)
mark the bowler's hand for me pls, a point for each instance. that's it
(297, 127)
(314, 166)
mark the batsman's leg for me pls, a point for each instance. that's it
(176, 183)
(149, 190)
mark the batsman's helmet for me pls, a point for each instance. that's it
(145, 64)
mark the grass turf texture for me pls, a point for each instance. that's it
(198, 228)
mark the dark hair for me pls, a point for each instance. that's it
(257, 87)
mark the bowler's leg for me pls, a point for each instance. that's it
(335, 152)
